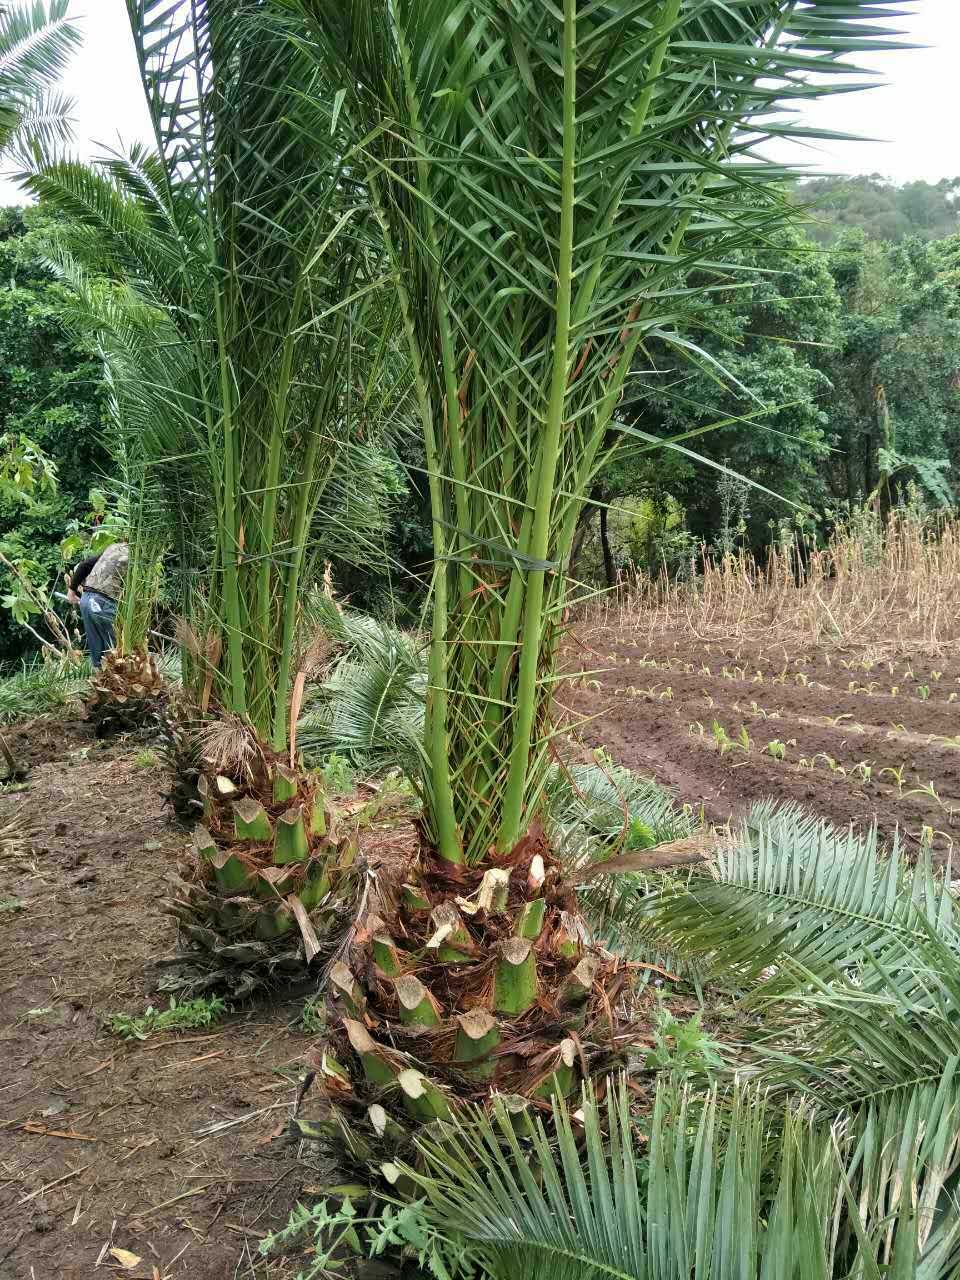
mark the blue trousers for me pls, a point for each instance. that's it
(98, 613)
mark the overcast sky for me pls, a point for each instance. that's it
(916, 114)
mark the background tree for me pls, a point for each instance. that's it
(882, 209)
(895, 406)
(51, 392)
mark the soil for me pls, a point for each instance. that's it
(105, 1143)
(867, 738)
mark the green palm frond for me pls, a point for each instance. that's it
(596, 810)
(792, 888)
(36, 43)
(723, 1186)
(844, 960)
(369, 708)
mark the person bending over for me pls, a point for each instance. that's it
(100, 580)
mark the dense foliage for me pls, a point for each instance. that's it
(52, 393)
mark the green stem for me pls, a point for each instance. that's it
(440, 796)
(532, 634)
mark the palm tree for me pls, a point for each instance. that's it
(36, 41)
(550, 180)
(228, 274)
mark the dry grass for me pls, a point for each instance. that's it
(887, 585)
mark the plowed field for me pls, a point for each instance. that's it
(856, 735)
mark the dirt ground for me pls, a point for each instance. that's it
(867, 734)
(106, 1143)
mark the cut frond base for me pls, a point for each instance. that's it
(460, 982)
(268, 885)
(127, 694)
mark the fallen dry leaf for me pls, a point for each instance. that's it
(126, 1259)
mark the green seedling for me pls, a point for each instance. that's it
(923, 691)
(744, 738)
(929, 790)
(936, 675)
(705, 670)
(190, 1014)
(776, 749)
(863, 771)
(667, 695)
(831, 764)
(11, 904)
(723, 740)
(896, 774)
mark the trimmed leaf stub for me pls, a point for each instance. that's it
(515, 987)
(418, 1008)
(494, 890)
(537, 874)
(291, 843)
(378, 1119)
(450, 938)
(376, 1065)
(231, 874)
(562, 1077)
(580, 982)
(284, 784)
(477, 1037)
(422, 1097)
(204, 845)
(250, 821)
(361, 1041)
(531, 918)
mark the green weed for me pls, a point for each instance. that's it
(683, 1048)
(201, 1012)
(313, 1018)
(337, 774)
(146, 760)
